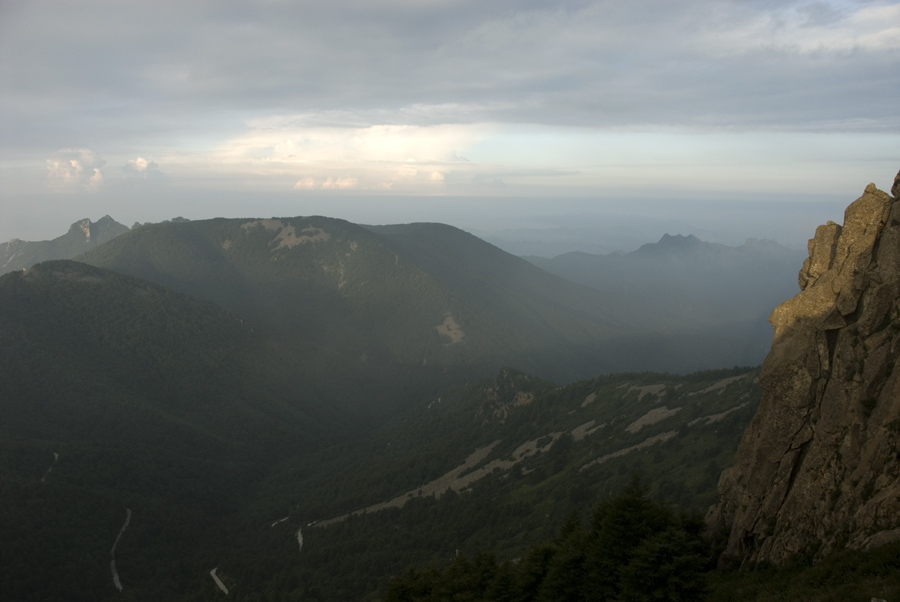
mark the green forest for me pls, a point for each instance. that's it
(299, 455)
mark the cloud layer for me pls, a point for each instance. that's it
(596, 63)
(457, 96)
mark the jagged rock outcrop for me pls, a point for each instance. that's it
(817, 468)
(82, 236)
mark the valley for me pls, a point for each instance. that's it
(305, 408)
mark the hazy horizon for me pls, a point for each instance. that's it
(550, 227)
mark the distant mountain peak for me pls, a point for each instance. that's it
(678, 238)
(673, 244)
(81, 228)
(81, 236)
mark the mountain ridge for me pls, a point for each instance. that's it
(418, 296)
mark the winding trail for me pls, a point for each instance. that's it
(112, 552)
(300, 539)
(55, 458)
(218, 581)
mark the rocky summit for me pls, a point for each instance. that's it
(817, 468)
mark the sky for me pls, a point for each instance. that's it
(490, 115)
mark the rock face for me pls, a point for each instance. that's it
(817, 469)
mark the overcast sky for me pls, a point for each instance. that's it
(394, 110)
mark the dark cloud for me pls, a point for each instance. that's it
(95, 71)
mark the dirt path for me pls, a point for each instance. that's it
(218, 581)
(112, 552)
(55, 458)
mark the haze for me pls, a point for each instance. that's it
(508, 118)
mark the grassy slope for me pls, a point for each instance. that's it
(505, 512)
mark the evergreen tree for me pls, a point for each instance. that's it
(636, 550)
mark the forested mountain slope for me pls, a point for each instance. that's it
(124, 399)
(494, 466)
(338, 287)
(117, 394)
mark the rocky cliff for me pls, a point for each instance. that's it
(817, 468)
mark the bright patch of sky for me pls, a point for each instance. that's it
(146, 111)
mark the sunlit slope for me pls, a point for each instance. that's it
(442, 298)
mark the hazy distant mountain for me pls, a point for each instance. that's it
(695, 283)
(82, 236)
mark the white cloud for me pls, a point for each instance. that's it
(95, 180)
(287, 142)
(307, 183)
(75, 168)
(381, 157)
(436, 176)
(137, 165)
(141, 167)
(339, 183)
